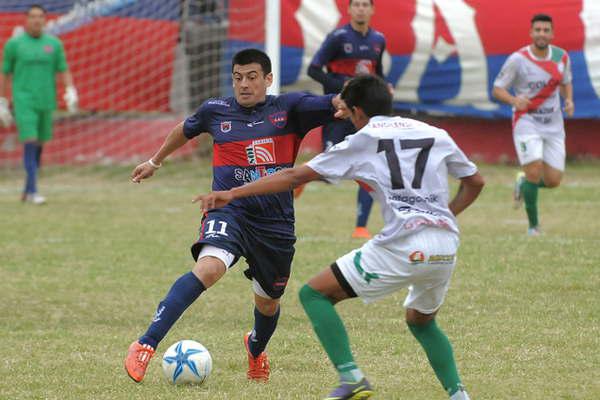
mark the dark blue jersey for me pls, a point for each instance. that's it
(346, 53)
(253, 142)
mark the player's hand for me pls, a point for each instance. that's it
(142, 171)
(5, 116)
(214, 200)
(343, 112)
(521, 103)
(71, 98)
(569, 107)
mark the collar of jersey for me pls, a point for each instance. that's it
(547, 58)
(257, 106)
(349, 25)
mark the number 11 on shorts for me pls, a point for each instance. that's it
(211, 228)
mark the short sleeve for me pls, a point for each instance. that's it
(508, 73)
(198, 122)
(8, 57)
(326, 52)
(61, 59)
(340, 161)
(459, 166)
(567, 74)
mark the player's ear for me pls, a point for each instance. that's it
(269, 79)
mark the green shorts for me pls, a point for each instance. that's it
(33, 124)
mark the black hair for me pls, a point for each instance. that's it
(370, 93)
(371, 1)
(541, 18)
(34, 6)
(249, 56)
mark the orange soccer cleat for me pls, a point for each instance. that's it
(361, 232)
(258, 367)
(136, 362)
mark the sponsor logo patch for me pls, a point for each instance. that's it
(218, 103)
(363, 67)
(261, 152)
(248, 175)
(225, 126)
(48, 49)
(441, 258)
(348, 48)
(416, 257)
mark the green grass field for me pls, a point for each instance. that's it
(81, 276)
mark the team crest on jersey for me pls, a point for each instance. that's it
(348, 48)
(278, 119)
(225, 126)
(416, 257)
(363, 67)
(48, 49)
(261, 152)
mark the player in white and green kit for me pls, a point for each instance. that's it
(407, 164)
(33, 59)
(538, 73)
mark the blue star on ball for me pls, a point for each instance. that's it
(182, 359)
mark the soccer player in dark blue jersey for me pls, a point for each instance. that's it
(254, 135)
(350, 50)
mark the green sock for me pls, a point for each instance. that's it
(530, 195)
(331, 333)
(439, 352)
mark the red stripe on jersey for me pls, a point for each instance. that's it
(352, 66)
(270, 150)
(555, 79)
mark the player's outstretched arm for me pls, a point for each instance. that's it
(173, 141)
(468, 191)
(282, 181)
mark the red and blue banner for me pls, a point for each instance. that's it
(443, 55)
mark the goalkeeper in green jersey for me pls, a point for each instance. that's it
(33, 59)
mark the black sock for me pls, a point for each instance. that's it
(264, 326)
(183, 293)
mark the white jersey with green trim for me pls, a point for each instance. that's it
(406, 163)
(538, 80)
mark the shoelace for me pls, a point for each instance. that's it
(144, 355)
(259, 366)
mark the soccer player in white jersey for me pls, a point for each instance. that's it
(537, 73)
(407, 163)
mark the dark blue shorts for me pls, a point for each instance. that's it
(335, 132)
(267, 248)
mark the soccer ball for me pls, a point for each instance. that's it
(187, 361)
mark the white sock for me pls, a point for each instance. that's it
(460, 395)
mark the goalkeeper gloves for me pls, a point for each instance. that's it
(71, 98)
(5, 115)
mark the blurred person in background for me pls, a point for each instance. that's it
(350, 50)
(32, 60)
(539, 74)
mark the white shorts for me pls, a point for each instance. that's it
(423, 262)
(228, 259)
(534, 142)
